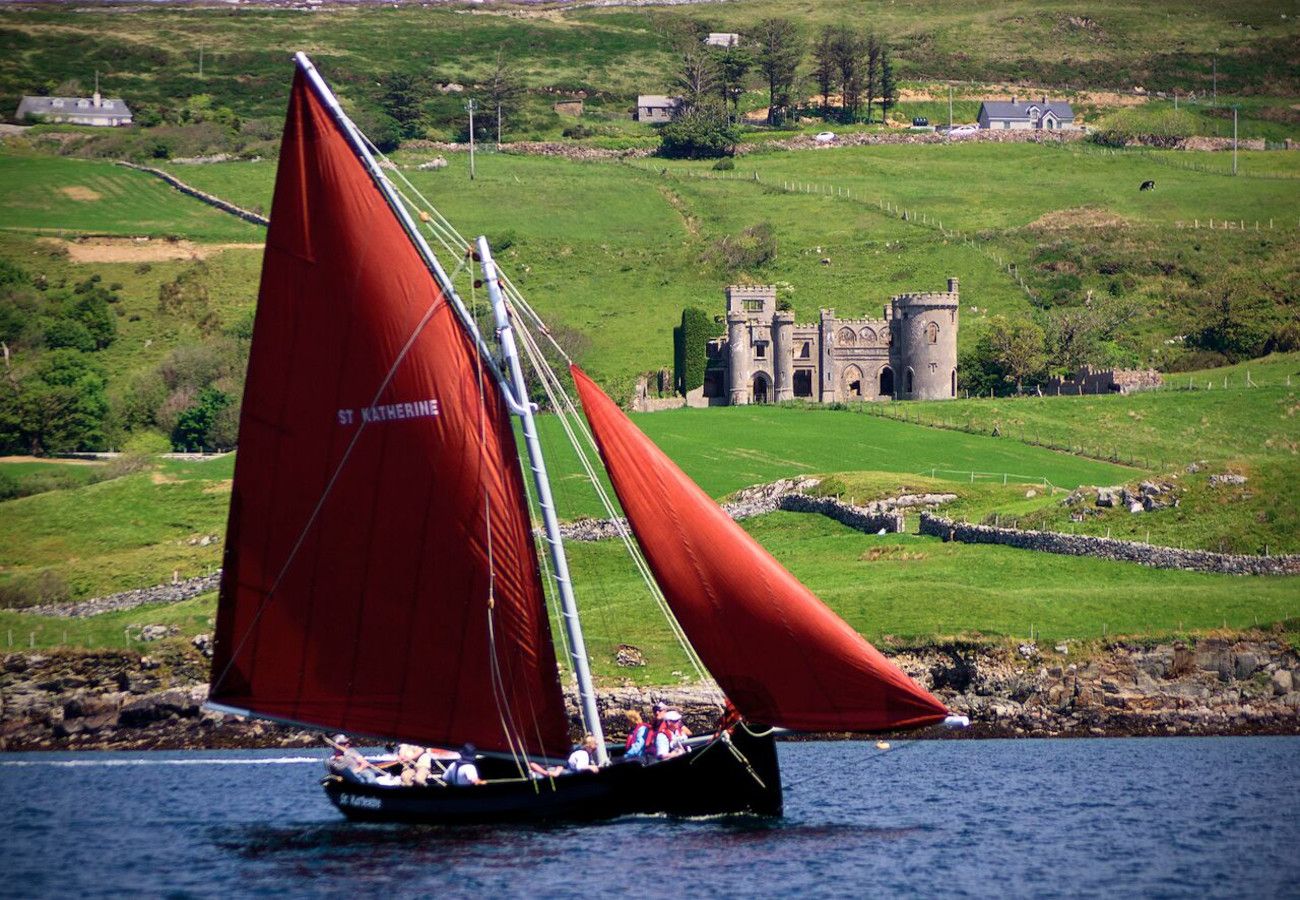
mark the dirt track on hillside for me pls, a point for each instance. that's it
(137, 250)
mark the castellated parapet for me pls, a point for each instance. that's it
(910, 353)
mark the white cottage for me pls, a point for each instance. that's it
(96, 110)
(1025, 115)
(656, 107)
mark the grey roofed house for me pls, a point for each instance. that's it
(96, 110)
(1026, 114)
(656, 107)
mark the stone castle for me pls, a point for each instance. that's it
(765, 357)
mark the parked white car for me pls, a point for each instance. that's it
(961, 131)
(825, 137)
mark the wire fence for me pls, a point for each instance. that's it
(1158, 157)
(915, 217)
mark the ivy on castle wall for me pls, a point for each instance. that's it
(690, 348)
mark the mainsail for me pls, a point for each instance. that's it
(782, 657)
(380, 574)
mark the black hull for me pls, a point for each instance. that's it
(711, 780)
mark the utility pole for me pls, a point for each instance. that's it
(200, 62)
(1215, 78)
(498, 127)
(470, 106)
(1234, 139)
(950, 112)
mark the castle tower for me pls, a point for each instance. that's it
(782, 356)
(827, 390)
(751, 309)
(737, 359)
(925, 344)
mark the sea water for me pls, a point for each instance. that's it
(1172, 817)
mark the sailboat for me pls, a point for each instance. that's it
(383, 575)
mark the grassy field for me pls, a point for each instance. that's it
(60, 196)
(897, 587)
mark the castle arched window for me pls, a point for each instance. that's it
(886, 382)
(868, 336)
(909, 380)
(805, 352)
(932, 332)
(954, 382)
(852, 382)
(847, 336)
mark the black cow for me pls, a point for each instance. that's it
(1148, 186)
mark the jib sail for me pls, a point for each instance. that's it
(782, 657)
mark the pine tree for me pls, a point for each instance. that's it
(873, 72)
(824, 68)
(779, 53)
(888, 87)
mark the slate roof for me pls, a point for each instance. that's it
(657, 101)
(1005, 109)
(82, 107)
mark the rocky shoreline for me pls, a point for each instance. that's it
(98, 700)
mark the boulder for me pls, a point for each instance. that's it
(157, 632)
(1244, 665)
(629, 657)
(1283, 683)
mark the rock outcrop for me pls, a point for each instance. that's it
(119, 700)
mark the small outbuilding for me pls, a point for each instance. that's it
(95, 110)
(1026, 115)
(656, 107)
(722, 39)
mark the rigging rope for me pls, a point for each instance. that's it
(571, 421)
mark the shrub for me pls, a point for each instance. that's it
(691, 350)
(726, 164)
(751, 249)
(702, 132)
(47, 587)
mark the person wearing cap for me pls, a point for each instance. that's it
(464, 772)
(349, 763)
(670, 741)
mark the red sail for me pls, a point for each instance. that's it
(781, 656)
(380, 575)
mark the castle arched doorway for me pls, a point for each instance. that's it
(886, 382)
(761, 389)
(852, 382)
(803, 383)
(954, 382)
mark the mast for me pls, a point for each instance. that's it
(572, 625)
(512, 389)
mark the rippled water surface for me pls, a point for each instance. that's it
(1151, 818)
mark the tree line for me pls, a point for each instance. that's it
(851, 70)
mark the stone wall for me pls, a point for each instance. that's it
(217, 202)
(785, 494)
(160, 593)
(1110, 548)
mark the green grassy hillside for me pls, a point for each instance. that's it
(71, 197)
(151, 55)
